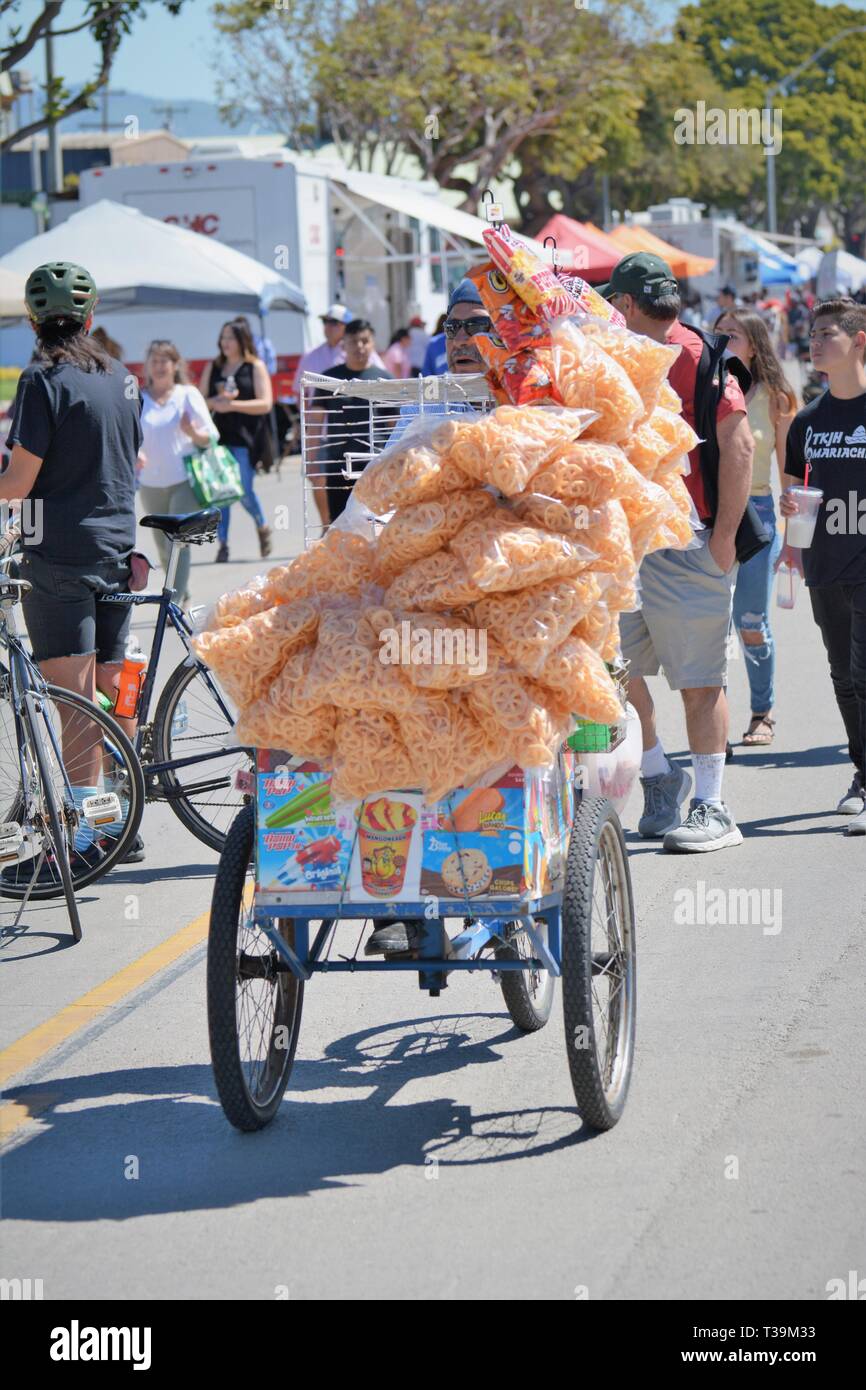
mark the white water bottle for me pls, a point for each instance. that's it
(786, 592)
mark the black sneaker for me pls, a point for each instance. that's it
(222, 554)
(394, 939)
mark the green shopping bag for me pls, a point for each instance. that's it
(214, 476)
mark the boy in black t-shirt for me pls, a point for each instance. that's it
(340, 425)
(830, 435)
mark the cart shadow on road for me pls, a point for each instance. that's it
(189, 1158)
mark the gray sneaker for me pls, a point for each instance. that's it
(706, 827)
(858, 825)
(662, 798)
(854, 800)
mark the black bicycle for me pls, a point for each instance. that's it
(71, 788)
(188, 754)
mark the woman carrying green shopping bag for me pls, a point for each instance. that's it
(237, 389)
(174, 419)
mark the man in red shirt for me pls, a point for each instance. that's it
(686, 595)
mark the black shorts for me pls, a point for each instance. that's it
(62, 611)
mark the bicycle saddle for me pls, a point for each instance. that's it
(192, 527)
(13, 590)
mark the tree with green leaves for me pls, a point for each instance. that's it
(108, 21)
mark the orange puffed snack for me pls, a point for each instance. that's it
(675, 487)
(449, 747)
(339, 563)
(579, 678)
(623, 596)
(589, 379)
(608, 534)
(425, 527)
(585, 470)
(507, 446)
(668, 398)
(436, 583)
(645, 449)
(567, 518)
(594, 628)
(529, 623)
(435, 651)
(412, 470)
(245, 658)
(645, 362)
(674, 430)
(370, 755)
(500, 554)
(350, 667)
(266, 725)
(240, 604)
(534, 722)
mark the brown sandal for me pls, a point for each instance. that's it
(760, 732)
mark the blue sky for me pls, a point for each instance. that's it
(166, 57)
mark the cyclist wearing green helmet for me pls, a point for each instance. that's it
(74, 442)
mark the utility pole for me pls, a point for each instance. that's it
(169, 111)
(55, 156)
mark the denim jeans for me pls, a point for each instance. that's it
(752, 598)
(249, 501)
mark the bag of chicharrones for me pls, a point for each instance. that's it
(530, 623)
(502, 553)
(504, 449)
(422, 528)
(414, 468)
(588, 378)
(246, 657)
(645, 362)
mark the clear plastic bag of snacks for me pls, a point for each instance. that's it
(506, 447)
(579, 678)
(589, 379)
(533, 722)
(422, 528)
(246, 658)
(645, 362)
(584, 470)
(500, 554)
(529, 623)
(414, 468)
(370, 754)
(435, 584)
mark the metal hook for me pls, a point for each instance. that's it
(551, 239)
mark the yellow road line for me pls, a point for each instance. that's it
(39, 1041)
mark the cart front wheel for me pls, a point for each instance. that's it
(598, 964)
(528, 994)
(253, 1005)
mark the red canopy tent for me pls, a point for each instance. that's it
(595, 254)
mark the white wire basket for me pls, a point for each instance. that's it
(346, 424)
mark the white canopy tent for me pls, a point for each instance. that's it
(141, 263)
(11, 294)
(847, 271)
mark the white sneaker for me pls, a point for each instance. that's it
(854, 800)
(858, 825)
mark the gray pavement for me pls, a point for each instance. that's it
(425, 1149)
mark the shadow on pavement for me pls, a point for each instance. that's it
(189, 1158)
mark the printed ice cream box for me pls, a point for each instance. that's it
(310, 843)
(505, 840)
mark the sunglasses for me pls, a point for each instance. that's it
(324, 320)
(479, 323)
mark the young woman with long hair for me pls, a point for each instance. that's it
(174, 419)
(237, 389)
(772, 405)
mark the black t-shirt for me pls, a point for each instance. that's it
(86, 428)
(348, 417)
(831, 434)
(233, 426)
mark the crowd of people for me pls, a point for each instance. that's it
(81, 442)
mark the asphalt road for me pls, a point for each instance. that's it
(425, 1148)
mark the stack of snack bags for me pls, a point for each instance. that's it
(516, 535)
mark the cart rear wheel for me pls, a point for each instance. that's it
(598, 964)
(254, 1008)
(528, 994)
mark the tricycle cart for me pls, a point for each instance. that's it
(532, 888)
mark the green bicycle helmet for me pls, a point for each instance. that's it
(60, 290)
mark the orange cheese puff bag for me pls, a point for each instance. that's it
(438, 652)
(506, 447)
(340, 563)
(369, 755)
(676, 432)
(533, 280)
(675, 487)
(668, 398)
(607, 533)
(585, 470)
(594, 628)
(567, 518)
(412, 469)
(523, 377)
(579, 678)
(436, 583)
(623, 595)
(645, 448)
(513, 321)
(264, 725)
(589, 379)
(350, 662)
(240, 604)
(425, 527)
(529, 623)
(500, 554)
(534, 722)
(645, 362)
(590, 302)
(449, 747)
(245, 658)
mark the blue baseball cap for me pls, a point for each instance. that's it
(464, 293)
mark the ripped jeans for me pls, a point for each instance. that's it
(752, 598)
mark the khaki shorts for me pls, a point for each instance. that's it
(682, 627)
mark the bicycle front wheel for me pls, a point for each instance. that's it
(193, 719)
(83, 747)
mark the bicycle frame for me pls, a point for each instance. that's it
(170, 613)
(26, 685)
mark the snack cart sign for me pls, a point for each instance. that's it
(508, 840)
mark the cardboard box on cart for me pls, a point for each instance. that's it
(506, 840)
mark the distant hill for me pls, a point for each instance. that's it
(189, 118)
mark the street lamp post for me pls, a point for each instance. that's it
(777, 89)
